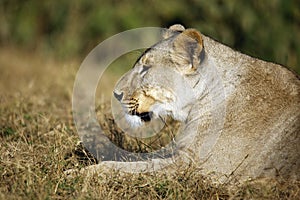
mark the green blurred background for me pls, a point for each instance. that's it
(65, 29)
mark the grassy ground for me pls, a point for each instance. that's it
(39, 142)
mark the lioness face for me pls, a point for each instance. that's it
(158, 85)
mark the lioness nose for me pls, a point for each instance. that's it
(118, 96)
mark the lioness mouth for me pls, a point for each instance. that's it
(145, 116)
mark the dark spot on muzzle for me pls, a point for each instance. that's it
(118, 96)
(145, 116)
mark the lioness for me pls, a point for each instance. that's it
(240, 115)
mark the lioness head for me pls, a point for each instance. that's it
(162, 79)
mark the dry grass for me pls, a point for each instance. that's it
(38, 143)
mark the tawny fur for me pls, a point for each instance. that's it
(261, 131)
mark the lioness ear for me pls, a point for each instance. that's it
(172, 30)
(189, 48)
